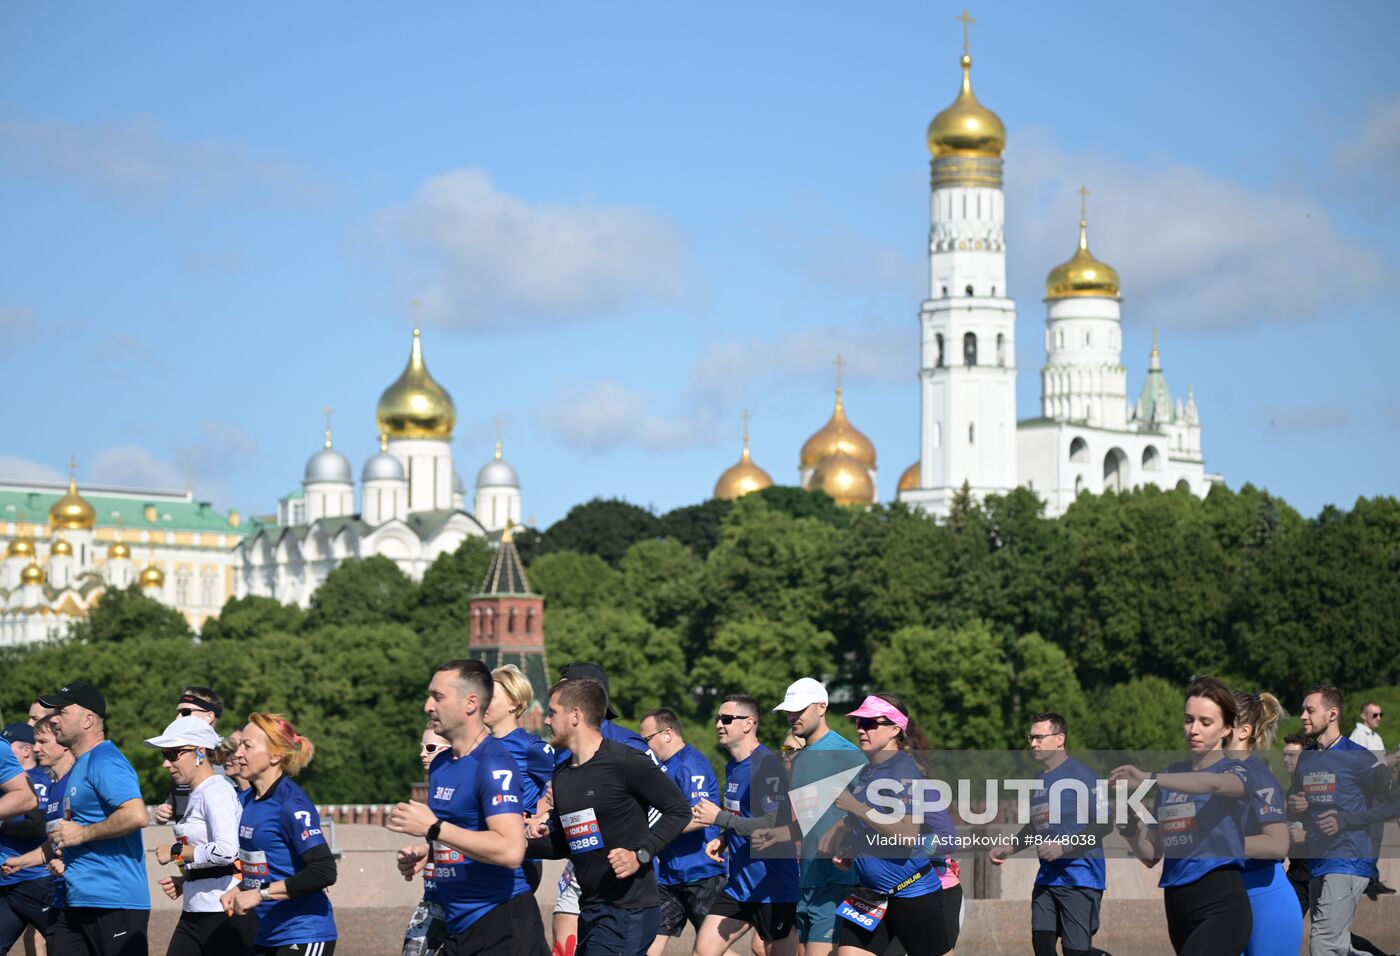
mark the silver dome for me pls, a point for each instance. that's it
(328, 465)
(497, 474)
(457, 486)
(383, 467)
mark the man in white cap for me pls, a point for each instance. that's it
(829, 757)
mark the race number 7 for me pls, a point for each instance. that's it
(503, 776)
(305, 817)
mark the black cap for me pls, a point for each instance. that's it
(579, 670)
(18, 733)
(78, 692)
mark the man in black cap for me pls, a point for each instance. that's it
(109, 901)
(208, 706)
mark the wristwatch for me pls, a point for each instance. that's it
(177, 850)
(434, 831)
(643, 856)
(266, 894)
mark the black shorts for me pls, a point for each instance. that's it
(212, 934)
(90, 931)
(771, 921)
(326, 948)
(683, 903)
(1210, 916)
(512, 928)
(916, 923)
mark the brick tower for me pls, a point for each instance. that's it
(507, 625)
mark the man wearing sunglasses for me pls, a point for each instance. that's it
(762, 889)
(201, 703)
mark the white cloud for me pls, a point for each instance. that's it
(22, 469)
(215, 451)
(138, 162)
(607, 415)
(476, 256)
(1193, 249)
(1328, 416)
(18, 326)
(873, 353)
(135, 466)
(1373, 155)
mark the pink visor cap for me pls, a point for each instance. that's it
(874, 706)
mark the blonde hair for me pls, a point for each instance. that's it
(283, 740)
(1262, 712)
(517, 688)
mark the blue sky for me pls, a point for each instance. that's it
(627, 223)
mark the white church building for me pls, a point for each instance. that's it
(413, 505)
(1088, 436)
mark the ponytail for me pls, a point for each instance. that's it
(1262, 712)
(283, 740)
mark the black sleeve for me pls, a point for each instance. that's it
(551, 846)
(30, 826)
(317, 872)
(656, 790)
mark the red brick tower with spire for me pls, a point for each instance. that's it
(507, 625)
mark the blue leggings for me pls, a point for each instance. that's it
(1278, 925)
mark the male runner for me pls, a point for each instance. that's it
(602, 799)
(473, 823)
(1069, 886)
(25, 894)
(686, 878)
(762, 888)
(109, 901)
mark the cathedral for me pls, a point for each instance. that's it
(413, 504)
(1088, 437)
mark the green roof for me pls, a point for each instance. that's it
(128, 513)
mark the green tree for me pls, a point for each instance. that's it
(696, 526)
(605, 527)
(1043, 679)
(248, 617)
(1143, 714)
(645, 664)
(569, 579)
(372, 591)
(443, 601)
(122, 615)
(801, 503)
(662, 580)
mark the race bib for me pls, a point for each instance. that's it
(1176, 822)
(256, 873)
(864, 913)
(733, 806)
(446, 862)
(1040, 816)
(182, 833)
(1320, 787)
(581, 830)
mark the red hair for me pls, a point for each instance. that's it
(283, 740)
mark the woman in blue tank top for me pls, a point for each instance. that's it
(1201, 808)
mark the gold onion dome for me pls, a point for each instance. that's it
(909, 480)
(72, 512)
(152, 577)
(837, 436)
(967, 128)
(118, 550)
(32, 574)
(20, 548)
(1082, 275)
(61, 547)
(416, 406)
(742, 477)
(844, 478)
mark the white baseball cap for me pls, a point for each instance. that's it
(802, 693)
(186, 732)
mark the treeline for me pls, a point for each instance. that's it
(979, 621)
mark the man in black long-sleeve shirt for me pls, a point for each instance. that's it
(599, 820)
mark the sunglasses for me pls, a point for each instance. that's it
(173, 754)
(1378, 715)
(870, 723)
(728, 719)
(432, 748)
(190, 711)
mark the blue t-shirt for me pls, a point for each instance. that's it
(1200, 832)
(1081, 866)
(110, 874)
(466, 791)
(684, 861)
(53, 813)
(536, 761)
(610, 731)
(883, 863)
(758, 782)
(820, 770)
(273, 833)
(1266, 806)
(14, 846)
(1338, 778)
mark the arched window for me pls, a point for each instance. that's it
(968, 290)
(1183, 485)
(945, 292)
(994, 291)
(1115, 470)
(971, 433)
(938, 341)
(1001, 350)
(1079, 450)
(510, 622)
(1059, 338)
(1151, 459)
(970, 349)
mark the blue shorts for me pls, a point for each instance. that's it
(816, 912)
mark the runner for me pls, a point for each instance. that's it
(510, 702)
(1069, 885)
(428, 921)
(687, 880)
(37, 712)
(1200, 834)
(286, 863)
(25, 894)
(205, 847)
(603, 798)
(226, 756)
(898, 899)
(204, 704)
(55, 760)
(762, 888)
(473, 825)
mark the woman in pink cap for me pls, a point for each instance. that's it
(899, 897)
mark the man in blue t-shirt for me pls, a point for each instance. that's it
(687, 879)
(473, 823)
(109, 901)
(1069, 887)
(25, 894)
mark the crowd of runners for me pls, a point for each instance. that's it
(825, 846)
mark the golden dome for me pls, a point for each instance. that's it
(742, 477)
(72, 512)
(837, 436)
(151, 577)
(118, 550)
(61, 547)
(909, 481)
(967, 128)
(20, 548)
(32, 574)
(416, 406)
(845, 479)
(1082, 274)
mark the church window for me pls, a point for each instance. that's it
(1183, 485)
(971, 433)
(938, 343)
(1059, 338)
(994, 291)
(1088, 339)
(968, 290)
(206, 591)
(1115, 470)
(945, 292)
(937, 434)
(1151, 459)
(530, 621)
(182, 589)
(1001, 350)
(1078, 450)
(970, 349)
(510, 622)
